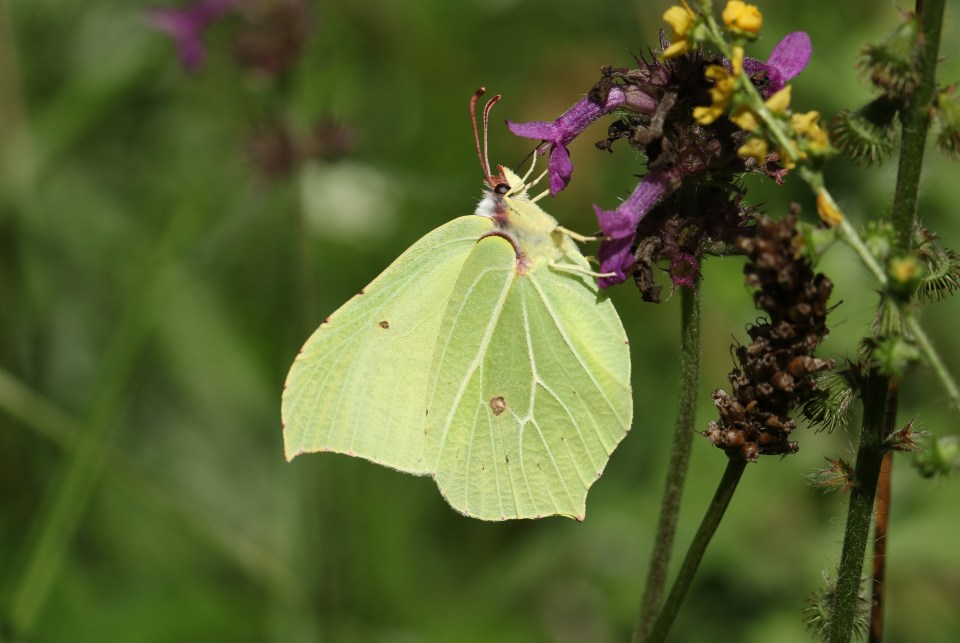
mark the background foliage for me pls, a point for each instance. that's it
(155, 284)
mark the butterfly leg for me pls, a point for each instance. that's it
(530, 171)
(576, 236)
(571, 267)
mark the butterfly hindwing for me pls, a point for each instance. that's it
(531, 388)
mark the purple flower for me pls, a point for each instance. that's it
(788, 59)
(684, 270)
(186, 27)
(558, 134)
(619, 226)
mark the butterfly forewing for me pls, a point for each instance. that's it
(360, 382)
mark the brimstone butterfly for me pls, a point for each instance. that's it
(485, 356)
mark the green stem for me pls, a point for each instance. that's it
(848, 234)
(915, 116)
(846, 601)
(845, 232)
(679, 459)
(721, 499)
(933, 359)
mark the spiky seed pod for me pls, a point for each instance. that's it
(869, 134)
(775, 371)
(941, 268)
(948, 123)
(892, 65)
(830, 406)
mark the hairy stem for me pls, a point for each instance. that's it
(679, 459)
(721, 499)
(860, 511)
(878, 404)
(916, 121)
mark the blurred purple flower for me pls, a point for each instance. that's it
(558, 134)
(619, 226)
(186, 26)
(788, 59)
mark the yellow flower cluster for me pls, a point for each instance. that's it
(681, 19)
(724, 84)
(808, 137)
(745, 119)
(742, 17)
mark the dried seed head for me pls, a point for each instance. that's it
(775, 372)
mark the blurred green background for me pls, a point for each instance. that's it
(161, 260)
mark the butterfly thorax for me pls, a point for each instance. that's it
(532, 232)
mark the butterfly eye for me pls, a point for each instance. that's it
(502, 188)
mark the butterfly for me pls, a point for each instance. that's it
(485, 356)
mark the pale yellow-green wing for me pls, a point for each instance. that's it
(531, 390)
(359, 384)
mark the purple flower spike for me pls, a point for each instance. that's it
(788, 59)
(619, 226)
(558, 134)
(186, 27)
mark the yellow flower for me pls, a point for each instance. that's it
(742, 17)
(725, 82)
(755, 148)
(805, 123)
(780, 101)
(903, 269)
(745, 119)
(682, 20)
(678, 48)
(827, 210)
(808, 126)
(785, 159)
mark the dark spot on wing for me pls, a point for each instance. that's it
(362, 292)
(384, 324)
(498, 405)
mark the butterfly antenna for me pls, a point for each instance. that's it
(486, 129)
(481, 152)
